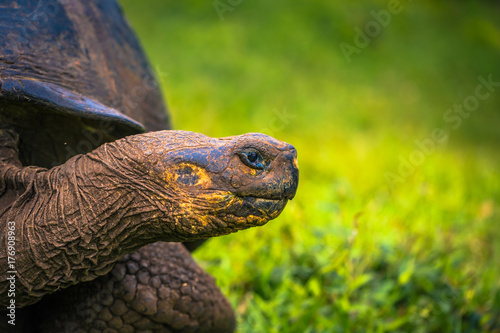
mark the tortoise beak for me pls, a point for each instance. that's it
(291, 179)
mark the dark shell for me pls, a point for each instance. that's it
(73, 76)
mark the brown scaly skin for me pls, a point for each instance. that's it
(158, 288)
(74, 221)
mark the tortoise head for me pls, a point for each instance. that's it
(215, 186)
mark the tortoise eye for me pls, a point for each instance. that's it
(252, 159)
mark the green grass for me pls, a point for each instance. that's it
(352, 252)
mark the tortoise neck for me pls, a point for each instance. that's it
(110, 217)
(74, 221)
(95, 212)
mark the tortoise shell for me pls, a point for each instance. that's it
(73, 76)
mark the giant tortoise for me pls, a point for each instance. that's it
(97, 194)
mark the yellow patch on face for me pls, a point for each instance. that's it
(186, 174)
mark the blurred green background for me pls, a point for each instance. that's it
(395, 228)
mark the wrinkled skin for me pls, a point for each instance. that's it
(74, 221)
